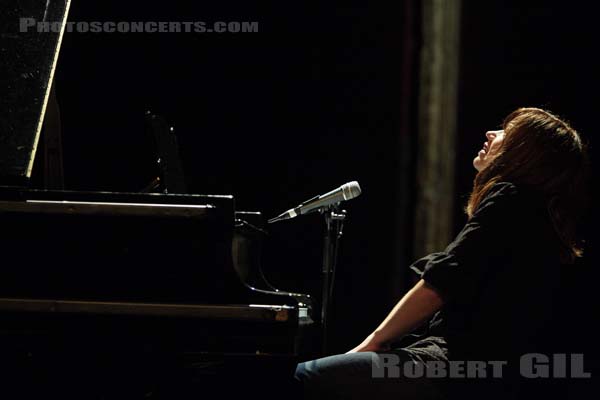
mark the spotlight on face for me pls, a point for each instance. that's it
(490, 149)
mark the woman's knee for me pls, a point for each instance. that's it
(332, 374)
(358, 376)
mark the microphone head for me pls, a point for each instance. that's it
(350, 190)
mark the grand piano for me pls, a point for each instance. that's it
(153, 294)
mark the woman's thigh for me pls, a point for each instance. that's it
(361, 375)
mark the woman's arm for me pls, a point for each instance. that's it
(420, 303)
(456, 273)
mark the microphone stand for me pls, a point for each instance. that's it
(334, 225)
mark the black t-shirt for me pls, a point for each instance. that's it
(498, 279)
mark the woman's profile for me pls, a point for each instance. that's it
(486, 300)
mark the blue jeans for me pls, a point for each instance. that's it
(364, 376)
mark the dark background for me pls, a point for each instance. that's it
(321, 95)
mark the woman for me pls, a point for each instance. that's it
(487, 296)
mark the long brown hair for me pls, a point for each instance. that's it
(543, 152)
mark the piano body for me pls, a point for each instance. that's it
(119, 295)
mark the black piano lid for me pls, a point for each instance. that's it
(28, 62)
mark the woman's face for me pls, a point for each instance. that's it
(490, 149)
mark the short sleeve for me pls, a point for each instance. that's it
(458, 272)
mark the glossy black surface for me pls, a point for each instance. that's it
(155, 292)
(158, 257)
(28, 60)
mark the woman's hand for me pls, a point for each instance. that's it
(419, 304)
(370, 344)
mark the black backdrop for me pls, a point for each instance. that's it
(321, 95)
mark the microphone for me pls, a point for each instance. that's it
(347, 191)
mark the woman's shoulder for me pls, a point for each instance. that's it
(509, 190)
(509, 197)
(502, 188)
(498, 193)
